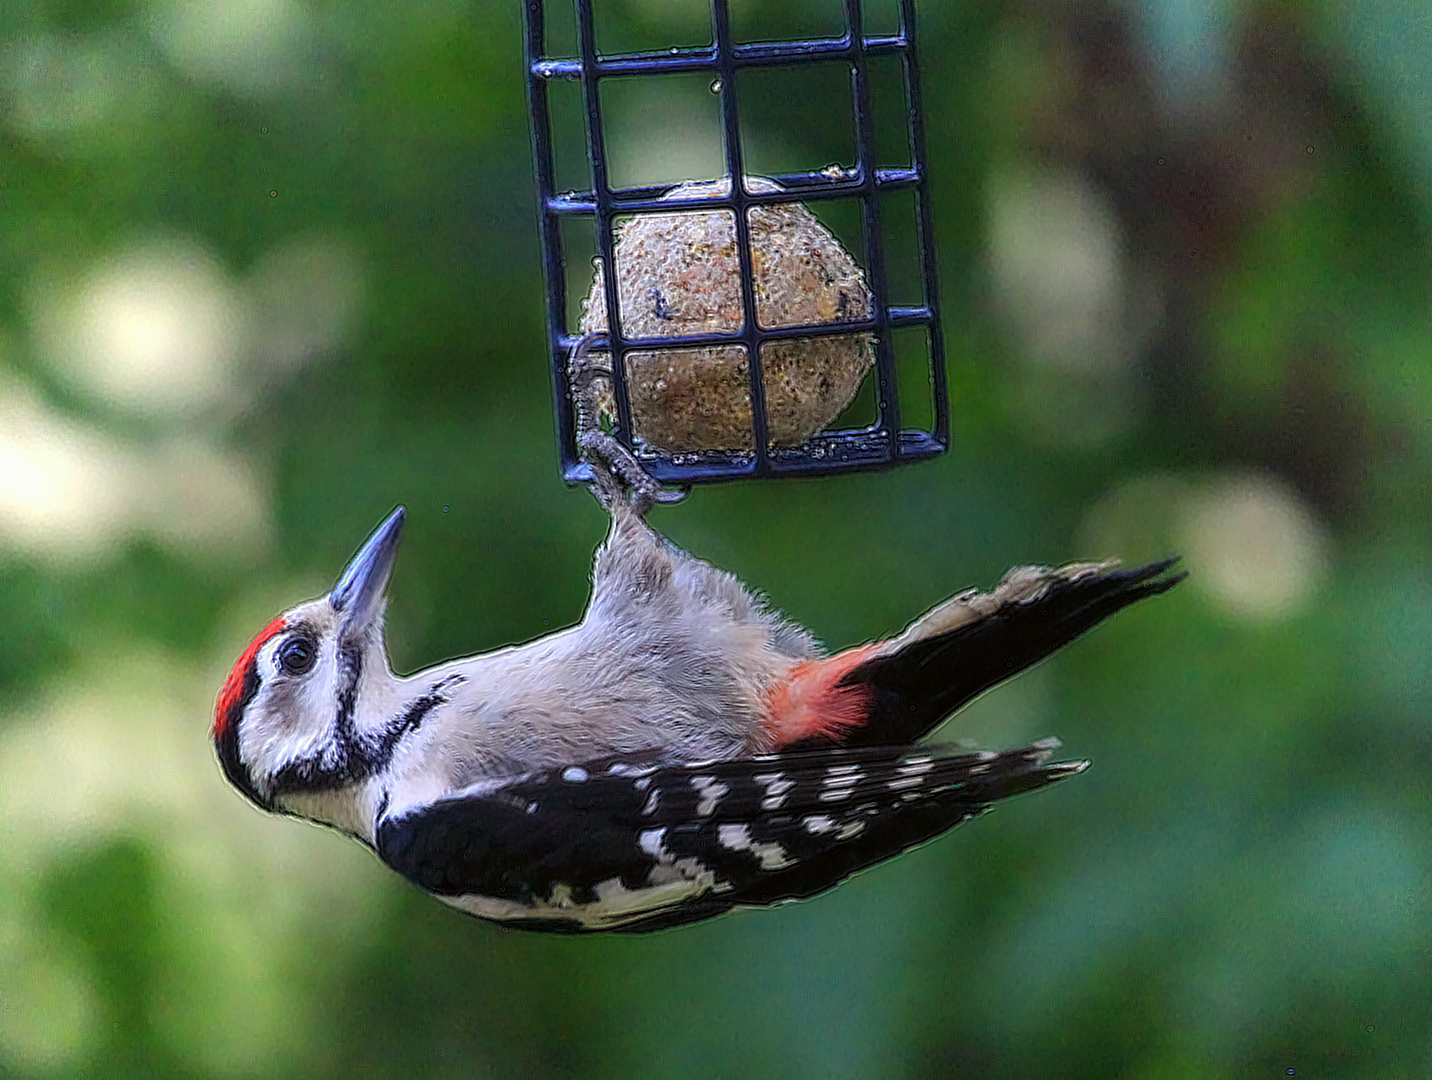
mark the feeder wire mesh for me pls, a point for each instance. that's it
(879, 445)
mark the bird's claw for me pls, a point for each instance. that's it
(617, 475)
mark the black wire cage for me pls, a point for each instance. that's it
(867, 182)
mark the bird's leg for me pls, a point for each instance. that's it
(617, 476)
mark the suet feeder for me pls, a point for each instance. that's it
(740, 325)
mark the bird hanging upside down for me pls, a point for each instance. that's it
(681, 751)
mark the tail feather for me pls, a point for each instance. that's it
(977, 640)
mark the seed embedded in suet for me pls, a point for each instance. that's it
(679, 273)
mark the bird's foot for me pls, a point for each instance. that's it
(617, 476)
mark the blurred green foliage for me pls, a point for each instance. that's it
(1188, 304)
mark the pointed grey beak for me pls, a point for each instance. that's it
(359, 592)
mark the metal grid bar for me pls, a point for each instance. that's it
(915, 133)
(878, 446)
(758, 54)
(888, 395)
(803, 187)
(740, 200)
(897, 317)
(606, 243)
(540, 117)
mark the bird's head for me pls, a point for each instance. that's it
(288, 720)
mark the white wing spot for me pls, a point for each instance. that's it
(561, 896)
(627, 768)
(712, 792)
(776, 786)
(855, 828)
(836, 794)
(643, 783)
(575, 774)
(738, 838)
(651, 842)
(735, 837)
(915, 767)
(774, 783)
(818, 823)
(651, 803)
(688, 871)
(906, 782)
(696, 870)
(840, 770)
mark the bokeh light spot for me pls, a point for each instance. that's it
(249, 47)
(153, 329)
(1250, 542)
(1254, 546)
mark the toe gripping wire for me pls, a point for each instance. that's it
(617, 476)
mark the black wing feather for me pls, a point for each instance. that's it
(759, 830)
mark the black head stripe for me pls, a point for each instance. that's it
(355, 756)
(227, 744)
(350, 668)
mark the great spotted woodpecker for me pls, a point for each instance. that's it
(681, 751)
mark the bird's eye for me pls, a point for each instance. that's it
(296, 655)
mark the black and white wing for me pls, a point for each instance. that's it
(626, 844)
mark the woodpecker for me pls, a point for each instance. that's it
(682, 751)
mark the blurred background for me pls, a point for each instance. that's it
(269, 267)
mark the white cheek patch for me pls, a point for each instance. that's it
(291, 717)
(270, 740)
